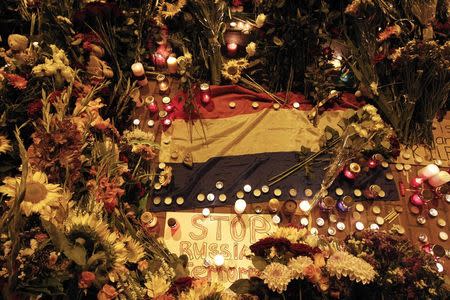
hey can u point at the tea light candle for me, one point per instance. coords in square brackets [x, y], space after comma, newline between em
[239, 206]
[416, 182]
[305, 206]
[232, 49]
[172, 64]
[206, 212]
[428, 171]
[219, 260]
[163, 83]
[439, 179]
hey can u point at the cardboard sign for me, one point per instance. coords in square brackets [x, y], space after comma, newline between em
[202, 238]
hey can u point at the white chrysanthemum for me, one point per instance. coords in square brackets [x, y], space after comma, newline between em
[5, 145]
[277, 277]
[203, 291]
[343, 264]
[298, 265]
[157, 285]
[260, 20]
[251, 49]
[40, 195]
[291, 233]
[135, 251]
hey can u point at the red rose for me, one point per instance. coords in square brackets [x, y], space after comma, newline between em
[262, 245]
[303, 250]
[107, 292]
[180, 285]
[86, 279]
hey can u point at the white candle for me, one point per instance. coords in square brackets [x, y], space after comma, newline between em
[239, 206]
[232, 48]
[205, 212]
[304, 206]
[428, 171]
[172, 64]
[219, 260]
[439, 179]
[139, 73]
[138, 69]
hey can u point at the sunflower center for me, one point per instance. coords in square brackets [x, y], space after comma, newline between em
[232, 70]
[35, 192]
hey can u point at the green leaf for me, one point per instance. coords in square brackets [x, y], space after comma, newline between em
[259, 263]
[242, 286]
[76, 253]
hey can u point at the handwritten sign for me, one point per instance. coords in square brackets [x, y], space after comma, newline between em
[229, 235]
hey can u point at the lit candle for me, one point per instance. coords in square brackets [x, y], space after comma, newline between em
[232, 49]
[428, 171]
[439, 179]
[169, 108]
[416, 200]
[274, 204]
[372, 163]
[219, 260]
[416, 182]
[159, 60]
[239, 206]
[167, 122]
[152, 107]
[172, 64]
[205, 93]
[163, 83]
[139, 73]
[305, 206]
[206, 212]
[352, 170]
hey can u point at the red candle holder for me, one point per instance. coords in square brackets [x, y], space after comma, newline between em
[169, 108]
[205, 93]
[152, 107]
[372, 163]
[416, 182]
[167, 122]
[232, 49]
[416, 200]
[352, 171]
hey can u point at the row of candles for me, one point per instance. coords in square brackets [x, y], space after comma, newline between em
[432, 175]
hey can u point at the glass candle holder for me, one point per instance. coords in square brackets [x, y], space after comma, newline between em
[416, 200]
[352, 171]
[232, 49]
[372, 163]
[416, 182]
[163, 83]
[173, 224]
[345, 204]
[205, 93]
[327, 203]
[274, 205]
[372, 191]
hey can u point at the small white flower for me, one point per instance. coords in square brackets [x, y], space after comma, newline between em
[260, 20]
[251, 49]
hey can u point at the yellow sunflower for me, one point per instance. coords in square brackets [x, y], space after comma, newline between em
[135, 251]
[88, 229]
[40, 195]
[5, 145]
[231, 70]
